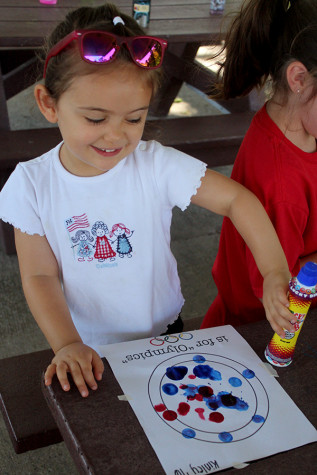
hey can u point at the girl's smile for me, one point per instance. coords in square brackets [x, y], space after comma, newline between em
[101, 117]
[107, 152]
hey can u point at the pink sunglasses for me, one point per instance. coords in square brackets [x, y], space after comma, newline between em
[102, 47]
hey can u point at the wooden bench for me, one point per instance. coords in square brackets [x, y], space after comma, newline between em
[25, 412]
[212, 139]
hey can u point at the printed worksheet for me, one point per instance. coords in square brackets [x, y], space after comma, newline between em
[206, 401]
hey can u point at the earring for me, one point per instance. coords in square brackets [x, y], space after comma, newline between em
[298, 91]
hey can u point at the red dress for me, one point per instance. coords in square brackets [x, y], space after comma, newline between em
[284, 178]
[103, 248]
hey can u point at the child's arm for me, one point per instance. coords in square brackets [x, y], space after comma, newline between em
[228, 198]
[43, 291]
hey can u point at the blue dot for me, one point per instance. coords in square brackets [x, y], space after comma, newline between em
[258, 419]
[225, 437]
[170, 389]
[248, 373]
[199, 359]
[189, 433]
[176, 373]
[206, 372]
[235, 382]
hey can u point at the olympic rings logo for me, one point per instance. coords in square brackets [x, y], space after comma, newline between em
[171, 339]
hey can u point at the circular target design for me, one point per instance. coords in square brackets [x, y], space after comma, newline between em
[208, 397]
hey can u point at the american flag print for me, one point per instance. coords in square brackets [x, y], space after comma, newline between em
[77, 222]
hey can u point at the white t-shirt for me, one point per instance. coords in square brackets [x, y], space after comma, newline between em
[110, 235]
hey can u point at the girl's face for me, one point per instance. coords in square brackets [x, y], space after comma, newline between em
[101, 117]
[100, 232]
[118, 232]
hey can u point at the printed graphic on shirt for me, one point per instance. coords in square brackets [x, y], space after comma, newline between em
[94, 245]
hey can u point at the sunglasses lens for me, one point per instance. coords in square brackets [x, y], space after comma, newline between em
[147, 52]
[98, 47]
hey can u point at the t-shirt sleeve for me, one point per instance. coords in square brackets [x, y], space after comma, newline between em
[289, 223]
[178, 175]
[18, 203]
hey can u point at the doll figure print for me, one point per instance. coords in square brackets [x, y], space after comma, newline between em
[121, 232]
[82, 239]
[103, 249]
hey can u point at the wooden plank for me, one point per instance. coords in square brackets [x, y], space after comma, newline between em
[88, 3]
[194, 133]
[158, 12]
[4, 118]
[32, 34]
[25, 412]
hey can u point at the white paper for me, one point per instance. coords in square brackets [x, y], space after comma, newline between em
[205, 401]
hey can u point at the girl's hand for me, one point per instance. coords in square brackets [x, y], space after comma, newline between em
[275, 301]
[81, 361]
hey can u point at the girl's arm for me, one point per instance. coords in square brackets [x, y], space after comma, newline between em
[43, 291]
[228, 198]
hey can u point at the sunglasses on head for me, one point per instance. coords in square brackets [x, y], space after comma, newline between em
[102, 47]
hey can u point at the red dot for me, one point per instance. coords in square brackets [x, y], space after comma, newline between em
[183, 408]
[200, 411]
[216, 417]
[160, 407]
[169, 415]
[192, 376]
[199, 397]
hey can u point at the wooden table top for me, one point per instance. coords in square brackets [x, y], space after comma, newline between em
[24, 23]
[104, 436]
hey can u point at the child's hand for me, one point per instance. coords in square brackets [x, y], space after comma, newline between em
[81, 361]
[275, 301]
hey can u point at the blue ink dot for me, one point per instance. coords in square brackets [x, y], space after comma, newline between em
[170, 389]
[258, 419]
[225, 437]
[248, 373]
[230, 401]
[205, 371]
[199, 359]
[176, 373]
[235, 382]
[189, 433]
[190, 391]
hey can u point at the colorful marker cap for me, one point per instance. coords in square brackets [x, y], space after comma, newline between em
[308, 274]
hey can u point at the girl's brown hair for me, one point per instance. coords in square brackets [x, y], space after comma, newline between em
[64, 67]
[263, 39]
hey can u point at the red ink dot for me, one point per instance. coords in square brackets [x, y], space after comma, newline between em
[160, 407]
[216, 417]
[169, 415]
[200, 411]
[192, 376]
[183, 408]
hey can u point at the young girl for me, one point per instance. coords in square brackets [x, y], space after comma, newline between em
[277, 159]
[101, 71]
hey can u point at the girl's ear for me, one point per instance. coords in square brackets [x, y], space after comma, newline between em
[46, 103]
[296, 74]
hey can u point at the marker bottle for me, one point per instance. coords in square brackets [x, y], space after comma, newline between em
[217, 7]
[302, 291]
[141, 10]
